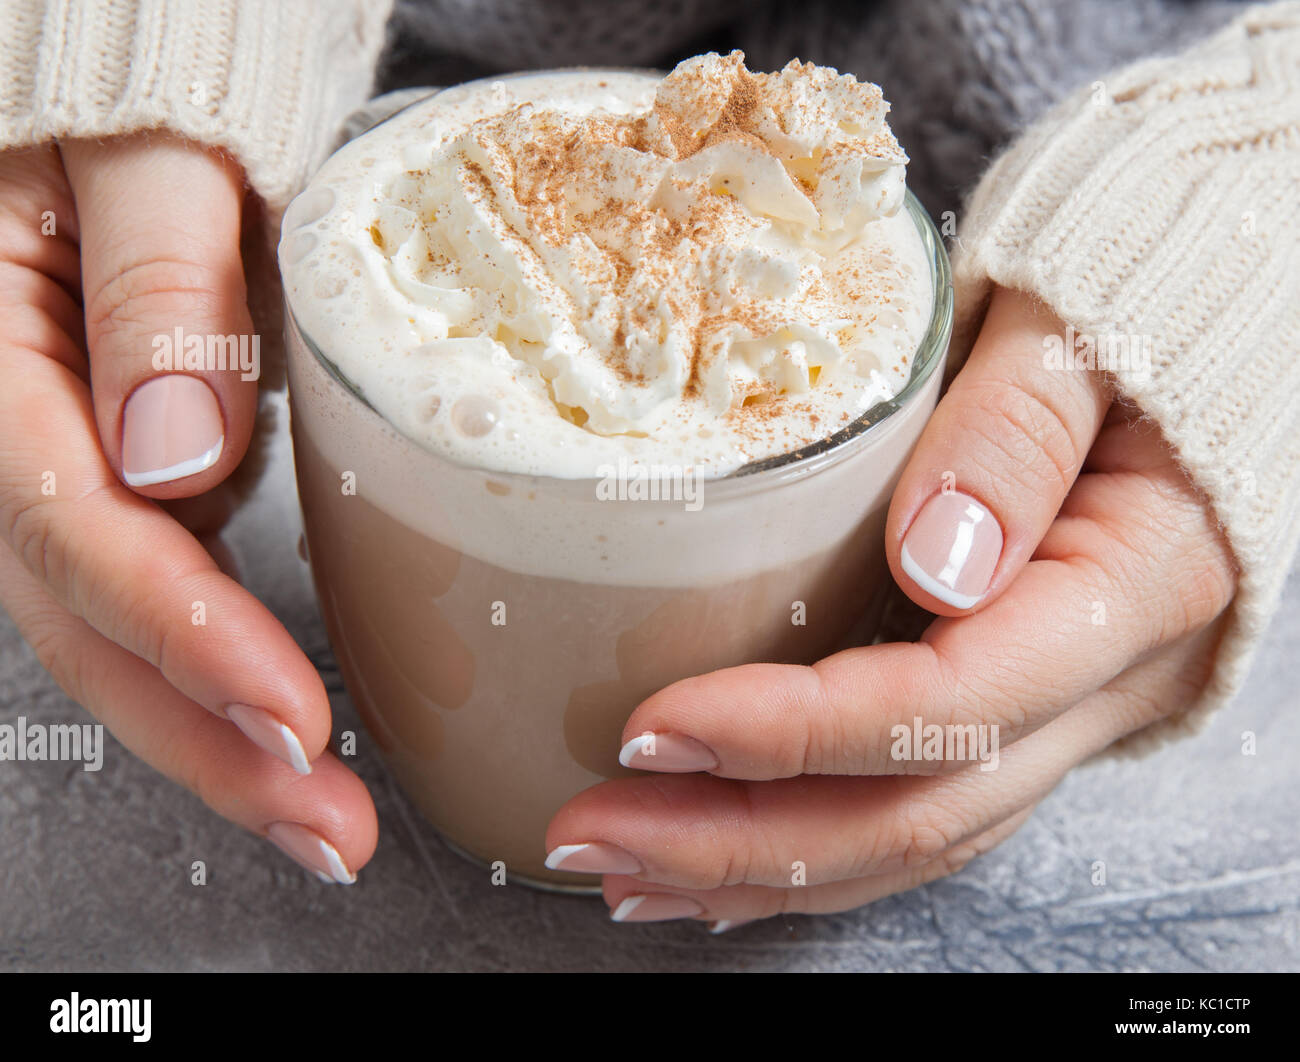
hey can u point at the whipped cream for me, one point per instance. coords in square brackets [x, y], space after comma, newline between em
[554, 273]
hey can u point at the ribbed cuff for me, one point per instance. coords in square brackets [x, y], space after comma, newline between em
[1160, 205]
[268, 82]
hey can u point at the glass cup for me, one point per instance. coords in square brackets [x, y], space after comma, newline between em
[495, 630]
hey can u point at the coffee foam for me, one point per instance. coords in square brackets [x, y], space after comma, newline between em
[560, 273]
[563, 529]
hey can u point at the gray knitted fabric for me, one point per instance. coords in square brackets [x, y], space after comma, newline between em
[433, 42]
[962, 75]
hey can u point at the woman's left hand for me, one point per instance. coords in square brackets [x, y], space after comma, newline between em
[1080, 582]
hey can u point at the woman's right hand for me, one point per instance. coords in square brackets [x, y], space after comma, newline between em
[103, 247]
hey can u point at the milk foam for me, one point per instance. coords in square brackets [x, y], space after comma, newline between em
[561, 272]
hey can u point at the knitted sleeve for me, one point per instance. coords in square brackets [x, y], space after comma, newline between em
[1157, 210]
[269, 81]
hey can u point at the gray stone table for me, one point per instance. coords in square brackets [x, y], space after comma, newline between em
[1200, 844]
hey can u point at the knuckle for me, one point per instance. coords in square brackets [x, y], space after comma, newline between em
[30, 532]
[992, 694]
[656, 798]
[1138, 708]
[19, 291]
[1122, 569]
[960, 855]
[910, 837]
[955, 859]
[1206, 573]
[739, 851]
[742, 839]
[733, 869]
[28, 329]
[1209, 588]
[201, 775]
[952, 861]
[41, 532]
[989, 697]
[135, 625]
[1164, 550]
[150, 290]
[824, 739]
[782, 902]
[922, 842]
[720, 819]
[64, 660]
[1031, 436]
[20, 240]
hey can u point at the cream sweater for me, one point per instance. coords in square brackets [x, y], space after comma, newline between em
[268, 80]
[1164, 202]
[1159, 203]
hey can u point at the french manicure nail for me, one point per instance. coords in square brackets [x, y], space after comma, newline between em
[667, 752]
[171, 428]
[266, 731]
[594, 858]
[309, 849]
[725, 924]
[951, 549]
[655, 907]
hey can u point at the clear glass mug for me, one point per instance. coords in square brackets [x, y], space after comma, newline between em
[496, 630]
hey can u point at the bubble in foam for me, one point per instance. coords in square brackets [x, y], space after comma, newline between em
[328, 286]
[311, 206]
[300, 246]
[426, 407]
[475, 415]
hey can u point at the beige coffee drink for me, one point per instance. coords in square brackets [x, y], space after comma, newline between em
[599, 380]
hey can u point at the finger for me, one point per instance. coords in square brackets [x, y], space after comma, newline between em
[117, 561]
[701, 833]
[1134, 561]
[994, 676]
[326, 821]
[995, 462]
[732, 906]
[167, 321]
[40, 266]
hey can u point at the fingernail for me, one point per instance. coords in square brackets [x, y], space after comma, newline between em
[593, 858]
[667, 752]
[309, 849]
[724, 924]
[655, 907]
[171, 428]
[951, 549]
[266, 731]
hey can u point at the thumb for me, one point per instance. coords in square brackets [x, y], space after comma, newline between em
[173, 359]
[994, 464]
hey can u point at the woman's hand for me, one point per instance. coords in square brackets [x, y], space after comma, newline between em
[1080, 583]
[103, 247]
